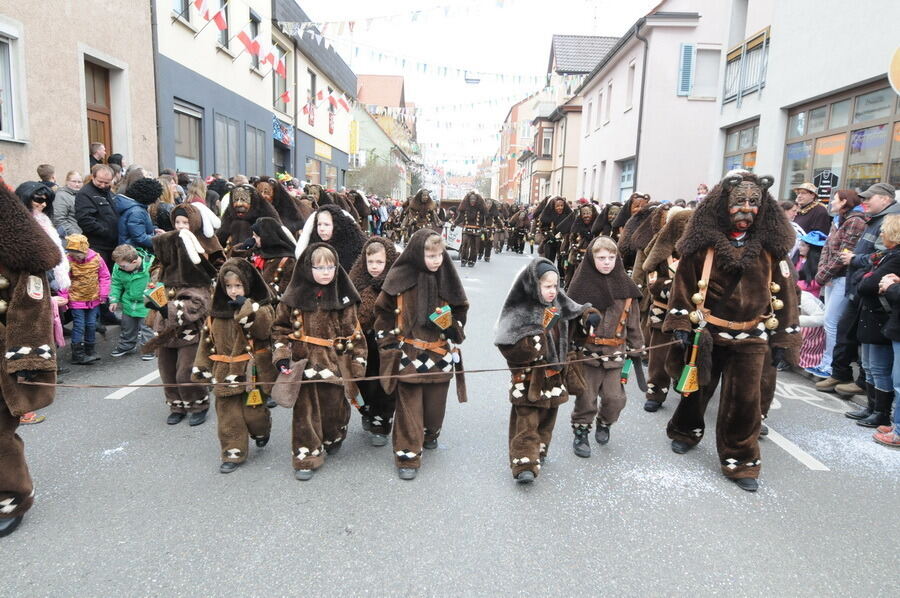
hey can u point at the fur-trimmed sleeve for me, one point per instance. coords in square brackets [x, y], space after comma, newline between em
[28, 333]
[202, 370]
[526, 351]
[460, 313]
[386, 321]
[256, 319]
[683, 287]
[634, 334]
[787, 334]
[281, 329]
[360, 352]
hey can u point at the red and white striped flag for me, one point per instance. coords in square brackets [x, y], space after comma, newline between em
[332, 100]
[281, 68]
[285, 97]
[251, 44]
[320, 95]
[343, 102]
[219, 19]
[202, 7]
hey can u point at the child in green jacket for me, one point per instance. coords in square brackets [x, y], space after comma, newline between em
[130, 277]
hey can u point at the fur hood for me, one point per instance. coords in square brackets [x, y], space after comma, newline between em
[601, 290]
[286, 206]
[664, 243]
[306, 294]
[711, 223]
[549, 215]
[255, 288]
[346, 238]
[23, 245]
[579, 227]
[470, 213]
[238, 228]
[603, 225]
[179, 255]
[638, 230]
[203, 223]
[275, 239]
[359, 274]
[523, 311]
[416, 204]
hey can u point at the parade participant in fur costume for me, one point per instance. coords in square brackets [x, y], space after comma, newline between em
[419, 316]
[501, 228]
[361, 206]
[420, 212]
[518, 226]
[493, 224]
[660, 267]
[610, 328]
[318, 335]
[578, 239]
[551, 217]
[187, 277]
[274, 254]
[330, 224]
[368, 275]
[471, 217]
[244, 207]
[284, 203]
[235, 347]
[202, 222]
[27, 351]
[533, 330]
[603, 226]
[734, 284]
[636, 234]
[632, 206]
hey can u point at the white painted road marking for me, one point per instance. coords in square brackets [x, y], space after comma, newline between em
[123, 392]
[796, 452]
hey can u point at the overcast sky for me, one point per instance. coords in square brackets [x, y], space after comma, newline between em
[487, 36]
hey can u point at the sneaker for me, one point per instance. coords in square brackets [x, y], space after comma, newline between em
[31, 418]
[148, 357]
[828, 384]
[817, 373]
[849, 389]
[117, 352]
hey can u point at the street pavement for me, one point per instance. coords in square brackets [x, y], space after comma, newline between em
[128, 506]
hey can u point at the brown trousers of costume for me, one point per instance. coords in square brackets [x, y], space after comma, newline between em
[378, 405]
[605, 384]
[658, 381]
[321, 414]
[175, 368]
[530, 432]
[740, 415]
[767, 385]
[419, 417]
[485, 246]
[16, 488]
[237, 422]
[468, 249]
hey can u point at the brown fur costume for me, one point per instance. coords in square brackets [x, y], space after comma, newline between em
[738, 291]
[549, 222]
[492, 225]
[603, 226]
[419, 213]
[377, 410]
[285, 204]
[317, 330]
[346, 237]
[211, 246]
[421, 400]
[235, 341]
[275, 254]
[472, 219]
[525, 342]
[235, 227]
[577, 239]
[361, 207]
[27, 348]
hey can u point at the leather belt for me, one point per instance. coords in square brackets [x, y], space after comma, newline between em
[435, 346]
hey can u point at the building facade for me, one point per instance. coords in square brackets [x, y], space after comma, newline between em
[809, 104]
[649, 105]
[72, 80]
[371, 145]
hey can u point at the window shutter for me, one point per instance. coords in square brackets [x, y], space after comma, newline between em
[686, 61]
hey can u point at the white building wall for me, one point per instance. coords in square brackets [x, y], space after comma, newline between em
[340, 139]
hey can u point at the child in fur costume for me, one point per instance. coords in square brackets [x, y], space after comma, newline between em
[368, 275]
[612, 327]
[187, 277]
[274, 256]
[336, 227]
[202, 222]
[471, 217]
[90, 287]
[533, 329]
[317, 333]
[422, 308]
[235, 347]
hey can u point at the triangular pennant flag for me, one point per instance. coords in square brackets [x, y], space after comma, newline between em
[280, 68]
[220, 20]
[285, 97]
[331, 100]
[320, 95]
[251, 45]
[343, 102]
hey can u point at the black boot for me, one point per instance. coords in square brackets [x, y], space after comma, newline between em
[581, 445]
[868, 409]
[881, 414]
[90, 355]
[78, 357]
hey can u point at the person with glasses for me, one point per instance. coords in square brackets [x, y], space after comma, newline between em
[64, 204]
[95, 211]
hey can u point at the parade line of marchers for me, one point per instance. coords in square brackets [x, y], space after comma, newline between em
[328, 312]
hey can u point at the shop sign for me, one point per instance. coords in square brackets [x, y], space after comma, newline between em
[323, 149]
[282, 132]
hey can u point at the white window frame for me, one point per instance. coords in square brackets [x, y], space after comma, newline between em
[192, 112]
[629, 89]
[599, 118]
[17, 117]
[609, 88]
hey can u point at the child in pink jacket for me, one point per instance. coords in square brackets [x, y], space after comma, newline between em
[90, 288]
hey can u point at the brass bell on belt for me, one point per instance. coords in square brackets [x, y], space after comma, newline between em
[395, 331]
[694, 317]
[777, 304]
[4, 282]
[296, 325]
[701, 284]
[296, 312]
[697, 298]
[772, 323]
[774, 287]
[397, 310]
[339, 346]
[3, 306]
[349, 346]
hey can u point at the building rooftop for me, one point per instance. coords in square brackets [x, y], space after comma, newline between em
[578, 54]
[381, 90]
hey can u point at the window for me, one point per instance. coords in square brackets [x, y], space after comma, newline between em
[608, 99]
[546, 142]
[598, 194]
[254, 33]
[626, 180]
[180, 8]
[227, 145]
[745, 67]
[848, 141]
[706, 73]
[188, 122]
[7, 107]
[587, 118]
[685, 69]
[279, 83]
[223, 34]
[584, 187]
[256, 151]
[740, 147]
[330, 105]
[97, 104]
[590, 192]
[599, 109]
[311, 89]
[312, 171]
[330, 176]
[629, 90]
[894, 168]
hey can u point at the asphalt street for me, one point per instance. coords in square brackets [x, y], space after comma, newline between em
[128, 506]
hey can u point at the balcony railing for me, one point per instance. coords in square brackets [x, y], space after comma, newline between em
[745, 69]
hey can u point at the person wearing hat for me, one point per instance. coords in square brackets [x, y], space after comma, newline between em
[90, 288]
[811, 215]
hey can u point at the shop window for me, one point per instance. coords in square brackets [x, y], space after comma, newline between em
[816, 120]
[874, 105]
[313, 171]
[865, 164]
[740, 148]
[256, 151]
[188, 127]
[894, 169]
[330, 176]
[796, 166]
[840, 114]
[227, 143]
[797, 125]
[828, 162]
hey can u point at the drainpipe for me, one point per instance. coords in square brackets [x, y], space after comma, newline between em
[154, 35]
[637, 145]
